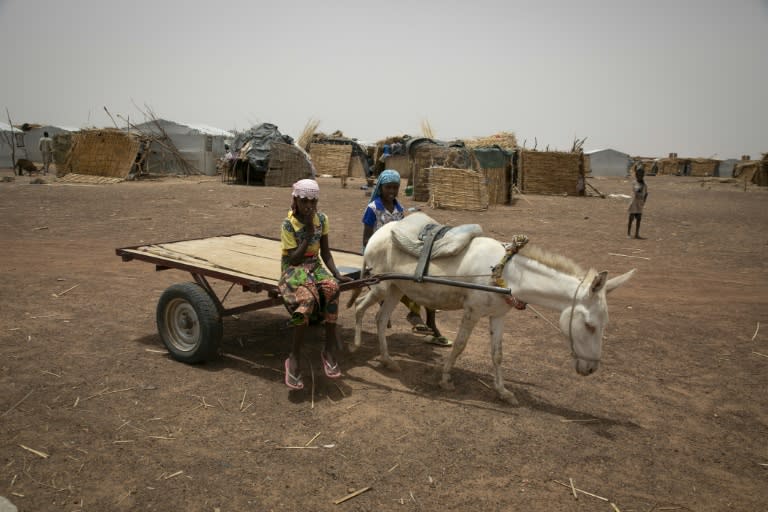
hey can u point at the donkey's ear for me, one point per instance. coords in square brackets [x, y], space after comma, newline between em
[617, 281]
[599, 281]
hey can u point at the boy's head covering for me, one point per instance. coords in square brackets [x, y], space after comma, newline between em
[386, 176]
[306, 188]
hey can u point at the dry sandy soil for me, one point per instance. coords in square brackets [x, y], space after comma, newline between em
[675, 419]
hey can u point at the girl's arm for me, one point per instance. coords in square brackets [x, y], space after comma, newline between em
[325, 253]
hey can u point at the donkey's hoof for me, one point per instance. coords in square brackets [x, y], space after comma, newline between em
[390, 364]
[508, 397]
[447, 385]
[352, 348]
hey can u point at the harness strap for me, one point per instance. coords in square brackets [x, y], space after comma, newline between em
[429, 234]
[510, 249]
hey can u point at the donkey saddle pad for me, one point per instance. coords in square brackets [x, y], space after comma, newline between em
[410, 234]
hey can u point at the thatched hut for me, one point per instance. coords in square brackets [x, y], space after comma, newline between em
[704, 167]
[426, 153]
[339, 156]
[550, 172]
[492, 157]
[390, 153]
[753, 171]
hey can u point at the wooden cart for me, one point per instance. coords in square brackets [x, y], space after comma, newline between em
[189, 315]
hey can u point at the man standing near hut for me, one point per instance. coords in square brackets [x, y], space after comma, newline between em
[45, 145]
[639, 195]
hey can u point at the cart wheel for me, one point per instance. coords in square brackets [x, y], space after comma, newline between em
[189, 323]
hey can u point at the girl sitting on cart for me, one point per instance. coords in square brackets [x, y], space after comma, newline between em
[310, 292]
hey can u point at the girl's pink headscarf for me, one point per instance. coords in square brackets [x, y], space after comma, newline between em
[306, 188]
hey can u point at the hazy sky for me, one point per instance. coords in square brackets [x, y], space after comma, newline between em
[647, 78]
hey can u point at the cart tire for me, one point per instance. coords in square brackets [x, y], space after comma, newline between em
[189, 323]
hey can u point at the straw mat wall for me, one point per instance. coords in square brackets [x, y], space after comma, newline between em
[107, 152]
[497, 180]
[704, 167]
[287, 165]
[671, 166]
[433, 155]
[457, 189]
[331, 159]
[550, 172]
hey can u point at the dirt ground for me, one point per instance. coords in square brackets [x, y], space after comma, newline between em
[94, 414]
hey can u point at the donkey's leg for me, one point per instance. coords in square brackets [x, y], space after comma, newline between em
[497, 334]
[382, 318]
[468, 322]
[361, 305]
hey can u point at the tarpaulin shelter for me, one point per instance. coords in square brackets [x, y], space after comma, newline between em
[264, 156]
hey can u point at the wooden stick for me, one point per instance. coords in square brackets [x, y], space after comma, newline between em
[573, 489]
[67, 290]
[758, 353]
[243, 400]
[351, 495]
[17, 403]
[310, 441]
[615, 507]
[173, 475]
[38, 453]
[484, 384]
[627, 256]
[581, 491]
[579, 421]
[297, 447]
[757, 329]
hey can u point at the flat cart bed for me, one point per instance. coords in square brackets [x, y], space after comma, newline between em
[189, 314]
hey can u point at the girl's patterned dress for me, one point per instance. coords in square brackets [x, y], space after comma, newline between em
[309, 291]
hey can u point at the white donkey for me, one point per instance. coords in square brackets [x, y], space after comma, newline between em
[531, 274]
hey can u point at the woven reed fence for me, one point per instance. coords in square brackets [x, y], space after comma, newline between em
[287, 165]
[497, 182]
[550, 172]
[704, 167]
[426, 156]
[62, 143]
[671, 166]
[457, 189]
[331, 159]
[107, 152]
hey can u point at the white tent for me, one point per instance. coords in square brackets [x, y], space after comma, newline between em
[606, 162]
[8, 136]
[200, 146]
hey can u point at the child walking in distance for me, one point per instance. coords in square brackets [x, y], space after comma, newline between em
[309, 290]
[383, 208]
[639, 195]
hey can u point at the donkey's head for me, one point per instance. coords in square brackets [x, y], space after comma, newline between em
[585, 319]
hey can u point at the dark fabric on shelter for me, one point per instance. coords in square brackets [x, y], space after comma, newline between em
[492, 157]
[258, 142]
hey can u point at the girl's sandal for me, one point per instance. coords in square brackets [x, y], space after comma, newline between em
[291, 380]
[332, 371]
